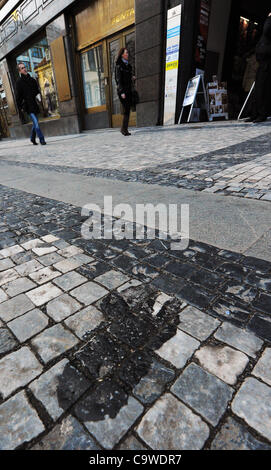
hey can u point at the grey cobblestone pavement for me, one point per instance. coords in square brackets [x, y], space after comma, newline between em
[128, 344]
[229, 158]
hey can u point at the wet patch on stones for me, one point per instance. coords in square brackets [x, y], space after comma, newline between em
[119, 354]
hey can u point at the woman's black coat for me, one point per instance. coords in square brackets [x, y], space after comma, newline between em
[123, 77]
[26, 91]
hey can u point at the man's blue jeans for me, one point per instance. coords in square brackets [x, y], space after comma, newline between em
[36, 128]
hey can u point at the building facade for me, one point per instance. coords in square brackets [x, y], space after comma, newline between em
[70, 47]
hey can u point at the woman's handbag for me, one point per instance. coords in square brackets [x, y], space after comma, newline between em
[135, 99]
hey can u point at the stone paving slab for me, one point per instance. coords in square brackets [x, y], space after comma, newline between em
[197, 324]
[173, 424]
[70, 281]
[18, 369]
[8, 276]
[152, 385]
[5, 264]
[3, 296]
[7, 341]
[262, 369]
[19, 286]
[43, 294]
[28, 325]
[222, 361]
[203, 392]
[88, 293]
[252, 393]
[62, 307]
[179, 349]
[84, 321]
[19, 422]
[132, 443]
[28, 267]
[15, 307]
[116, 420]
[44, 275]
[47, 388]
[234, 436]
[53, 342]
[241, 340]
[69, 435]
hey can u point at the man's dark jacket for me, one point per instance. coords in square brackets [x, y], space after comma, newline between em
[26, 91]
[262, 106]
[263, 49]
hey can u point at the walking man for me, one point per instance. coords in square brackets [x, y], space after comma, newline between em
[26, 93]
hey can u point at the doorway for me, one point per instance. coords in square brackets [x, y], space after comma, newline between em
[125, 39]
[100, 102]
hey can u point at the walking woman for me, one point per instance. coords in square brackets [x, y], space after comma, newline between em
[124, 80]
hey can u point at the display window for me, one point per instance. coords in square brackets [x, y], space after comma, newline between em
[92, 67]
[37, 60]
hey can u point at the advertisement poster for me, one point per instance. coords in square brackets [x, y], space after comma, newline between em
[191, 91]
[218, 100]
[172, 63]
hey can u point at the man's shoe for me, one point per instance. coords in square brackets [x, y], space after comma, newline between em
[43, 143]
[33, 141]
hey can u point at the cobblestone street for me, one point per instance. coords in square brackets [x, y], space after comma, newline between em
[129, 344]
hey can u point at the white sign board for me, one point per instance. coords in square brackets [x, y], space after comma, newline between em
[172, 63]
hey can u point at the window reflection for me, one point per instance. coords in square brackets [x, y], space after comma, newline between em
[38, 63]
[93, 77]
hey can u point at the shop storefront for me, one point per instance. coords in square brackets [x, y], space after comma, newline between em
[100, 30]
[70, 48]
[35, 34]
[229, 38]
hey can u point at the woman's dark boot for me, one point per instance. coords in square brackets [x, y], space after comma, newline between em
[124, 129]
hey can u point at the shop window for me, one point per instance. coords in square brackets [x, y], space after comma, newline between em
[4, 116]
[93, 77]
[37, 52]
[38, 63]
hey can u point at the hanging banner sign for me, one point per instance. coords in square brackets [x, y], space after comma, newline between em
[172, 63]
[202, 38]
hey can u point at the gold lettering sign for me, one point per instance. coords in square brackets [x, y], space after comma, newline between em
[124, 16]
[103, 18]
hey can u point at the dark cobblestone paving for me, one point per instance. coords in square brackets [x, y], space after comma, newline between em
[137, 327]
